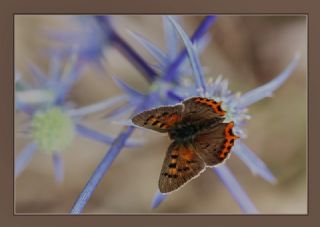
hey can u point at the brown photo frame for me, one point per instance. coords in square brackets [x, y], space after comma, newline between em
[7, 215]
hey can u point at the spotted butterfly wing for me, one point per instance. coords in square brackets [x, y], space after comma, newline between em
[180, 165]
[214, 144]
[159, 119]
[199, 109]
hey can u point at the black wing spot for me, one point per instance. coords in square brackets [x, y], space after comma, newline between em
[172, 165]
[155, 122]
[149, 118]
[174, 156]
[186, 168]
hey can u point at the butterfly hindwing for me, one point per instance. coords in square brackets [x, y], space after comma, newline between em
[214, 144]
[159, 119]
[181, 165]
[199, 108]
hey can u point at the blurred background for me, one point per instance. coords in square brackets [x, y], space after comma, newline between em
[247, 50]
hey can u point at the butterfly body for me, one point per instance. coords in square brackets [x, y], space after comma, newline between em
[200, 138]
[185, 130]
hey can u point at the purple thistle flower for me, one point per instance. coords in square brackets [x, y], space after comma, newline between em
[171, 88]
[53, 122]
[142, 102]
[236, 108]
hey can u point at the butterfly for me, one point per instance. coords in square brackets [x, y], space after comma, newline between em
[200, 138]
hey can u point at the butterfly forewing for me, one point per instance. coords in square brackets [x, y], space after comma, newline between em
[198, 108]
[214, 144]
[181, 164]
[159, 119]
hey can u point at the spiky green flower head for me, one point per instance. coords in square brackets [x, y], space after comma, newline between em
[53, 130]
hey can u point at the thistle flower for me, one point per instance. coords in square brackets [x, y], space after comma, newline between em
[236, 107]
[53, 121]
[142, 102]
[169, 88]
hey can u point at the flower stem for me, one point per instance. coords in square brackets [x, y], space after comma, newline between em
[125, 48]
[134, 57]
[100, 171]
[106, 162]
